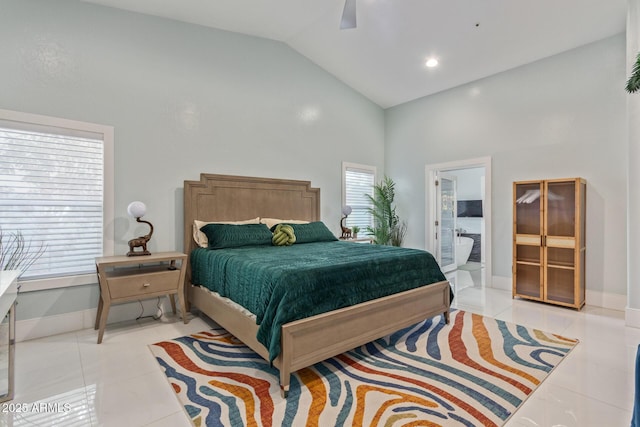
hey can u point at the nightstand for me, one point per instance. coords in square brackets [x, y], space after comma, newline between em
[358, 239]
[124, 278]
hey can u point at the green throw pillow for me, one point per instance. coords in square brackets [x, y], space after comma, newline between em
[311, 232]
[223, 236]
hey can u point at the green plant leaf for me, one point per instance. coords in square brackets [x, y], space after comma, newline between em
[633, 84]
[387, 229]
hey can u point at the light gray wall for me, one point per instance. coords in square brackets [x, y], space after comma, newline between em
[469, 186]
[468, 183]
[563, 116]
[183, 99]
[633, 179]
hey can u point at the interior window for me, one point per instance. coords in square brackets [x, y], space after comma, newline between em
[52, 194]
[358, 181]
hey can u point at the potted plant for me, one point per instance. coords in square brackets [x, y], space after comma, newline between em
[354, 231]
[387, 229]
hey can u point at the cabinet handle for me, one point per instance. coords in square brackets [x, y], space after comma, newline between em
[146, 285]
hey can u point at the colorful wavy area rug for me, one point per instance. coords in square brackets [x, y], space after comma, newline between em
[476, 371]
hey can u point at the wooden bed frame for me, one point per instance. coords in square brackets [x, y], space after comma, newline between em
[311, 340]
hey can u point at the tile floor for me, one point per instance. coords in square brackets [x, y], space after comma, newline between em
[74, 382]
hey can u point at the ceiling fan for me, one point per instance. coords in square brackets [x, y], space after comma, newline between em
[348, 15]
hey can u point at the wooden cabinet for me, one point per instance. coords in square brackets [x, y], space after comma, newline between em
[124, 278]
[549, 241]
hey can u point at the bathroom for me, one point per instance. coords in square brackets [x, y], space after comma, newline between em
[470, 219]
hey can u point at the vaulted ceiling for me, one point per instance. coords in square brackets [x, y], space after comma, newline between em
[384, 57]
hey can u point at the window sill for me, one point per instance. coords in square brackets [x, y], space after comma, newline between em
[57, 282]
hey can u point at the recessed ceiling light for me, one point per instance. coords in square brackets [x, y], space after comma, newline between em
[432, 62]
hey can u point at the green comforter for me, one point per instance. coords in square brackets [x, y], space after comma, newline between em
[280, 284]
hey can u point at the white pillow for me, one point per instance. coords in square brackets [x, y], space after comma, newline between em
[201, 239]
[273, 221]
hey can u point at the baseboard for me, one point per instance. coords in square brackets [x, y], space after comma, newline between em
[606, 300]
[502, 282]
[632, 317]
[30, 329]
[594, 298]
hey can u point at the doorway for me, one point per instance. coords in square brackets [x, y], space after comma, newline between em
[445, 223]
[458, 214]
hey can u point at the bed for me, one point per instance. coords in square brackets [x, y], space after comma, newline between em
[308, 340]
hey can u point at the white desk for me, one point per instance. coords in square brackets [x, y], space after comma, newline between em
[8, 295]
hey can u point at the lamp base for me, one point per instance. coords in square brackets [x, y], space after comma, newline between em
[346, 232]
[140, 242]
[133, 253]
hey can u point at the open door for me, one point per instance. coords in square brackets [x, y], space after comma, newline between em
[445, 225]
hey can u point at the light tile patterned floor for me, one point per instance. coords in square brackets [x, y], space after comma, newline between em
[118, 383]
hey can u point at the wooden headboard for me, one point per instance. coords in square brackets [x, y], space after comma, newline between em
[236, 198]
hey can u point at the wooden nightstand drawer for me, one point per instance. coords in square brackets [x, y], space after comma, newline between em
[129, 278]
[141, 285]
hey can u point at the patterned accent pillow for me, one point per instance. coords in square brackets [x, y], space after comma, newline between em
[283, 235]
[312, 232]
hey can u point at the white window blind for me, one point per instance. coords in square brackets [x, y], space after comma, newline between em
[51, 190]
[358, 182]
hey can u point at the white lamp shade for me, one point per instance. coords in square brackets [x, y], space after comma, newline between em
[346, 210]
[137, 209]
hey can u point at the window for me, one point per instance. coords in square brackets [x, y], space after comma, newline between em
[56, 189]
[357, 182]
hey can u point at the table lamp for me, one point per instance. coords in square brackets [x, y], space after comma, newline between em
[346, 232]
[138, 210]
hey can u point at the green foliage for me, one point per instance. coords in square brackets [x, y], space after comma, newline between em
[397, 233]
[633, 84]
[387, 230]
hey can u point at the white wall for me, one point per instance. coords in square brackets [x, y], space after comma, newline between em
[563, 116]
[469, 183]
[633, 160]
[183, 99]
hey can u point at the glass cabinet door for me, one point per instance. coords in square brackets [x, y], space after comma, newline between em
[528, 206]
[528, 226]
[561, 208]
[528, 271]
[560, 242]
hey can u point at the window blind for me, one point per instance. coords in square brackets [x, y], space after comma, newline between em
[51, 191]
[359, 183]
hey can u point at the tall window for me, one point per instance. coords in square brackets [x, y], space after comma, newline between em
[52, 190]
[357, 182]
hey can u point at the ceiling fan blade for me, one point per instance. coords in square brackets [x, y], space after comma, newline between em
[348, 15]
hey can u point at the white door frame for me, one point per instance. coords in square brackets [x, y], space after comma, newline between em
[430, 208]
